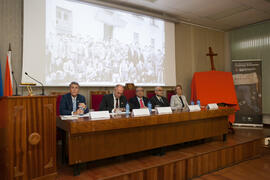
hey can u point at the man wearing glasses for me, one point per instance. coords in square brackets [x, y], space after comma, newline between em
[159, 100]
[138, 101]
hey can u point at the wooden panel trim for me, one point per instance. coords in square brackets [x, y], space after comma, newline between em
[190, 167]
[26, 118]
[47, 177]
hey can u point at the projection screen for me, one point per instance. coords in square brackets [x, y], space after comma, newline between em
[69, 40]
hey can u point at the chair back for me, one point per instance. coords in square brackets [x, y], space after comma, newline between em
[169, 94]
[58, 100]
[96, 98]
[129, 91]
[150, 94]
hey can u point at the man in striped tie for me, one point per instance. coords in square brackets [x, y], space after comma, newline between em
[138, 101]
[159, 100]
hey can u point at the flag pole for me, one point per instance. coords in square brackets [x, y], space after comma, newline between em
[8, 76]
[12, 72]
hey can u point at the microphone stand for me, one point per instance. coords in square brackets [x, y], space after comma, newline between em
[38, 82]
[16, 84]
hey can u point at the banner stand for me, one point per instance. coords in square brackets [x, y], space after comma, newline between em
[247, 77]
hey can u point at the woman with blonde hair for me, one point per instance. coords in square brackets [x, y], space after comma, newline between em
[179, 100]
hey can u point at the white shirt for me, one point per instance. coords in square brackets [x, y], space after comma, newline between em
[114, 102]
[73, 98]
[160, 99]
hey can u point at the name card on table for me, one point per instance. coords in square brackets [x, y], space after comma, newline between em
[194, 108]
[140, 112]
[164, 110]
[212, 106]
[99, 115]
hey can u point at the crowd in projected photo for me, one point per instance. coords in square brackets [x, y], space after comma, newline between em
[77, 58]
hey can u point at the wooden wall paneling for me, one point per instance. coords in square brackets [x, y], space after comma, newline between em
[223, 158]
[248, 152]
[125, 177]
[230, 156]
[226, 157]
[258, 146]
[136, 176]
[34, 117]
[10, 137]
[18, 133]
[203, 159]
[151, 174]
[78, 148]
[49, 134]
[4, 154]
[191, 167]
[168, 171]
[30, 126]
[205, 163]
[238, 153]
[213, 161]
[180, 168]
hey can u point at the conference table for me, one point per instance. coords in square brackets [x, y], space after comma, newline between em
[89, 139]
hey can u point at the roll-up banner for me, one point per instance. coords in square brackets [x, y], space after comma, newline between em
[247, 76]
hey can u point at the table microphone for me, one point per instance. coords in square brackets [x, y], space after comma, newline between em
[15, 84]
[36, 81]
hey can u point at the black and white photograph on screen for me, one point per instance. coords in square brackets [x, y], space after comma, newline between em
[102, 46]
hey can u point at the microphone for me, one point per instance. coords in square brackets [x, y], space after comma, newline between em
[16, 84]
[36, 81]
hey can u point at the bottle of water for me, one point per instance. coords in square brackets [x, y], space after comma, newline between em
[127, 108]
[81, 108]
[149, 105]
[192, 102]
[198, 102]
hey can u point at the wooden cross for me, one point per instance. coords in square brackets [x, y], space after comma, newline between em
[211, 54]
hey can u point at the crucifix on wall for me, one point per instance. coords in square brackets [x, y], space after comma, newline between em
[212, 54]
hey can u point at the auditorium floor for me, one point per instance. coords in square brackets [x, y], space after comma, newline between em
[257, 168]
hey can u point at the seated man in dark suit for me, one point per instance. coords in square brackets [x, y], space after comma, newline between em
[159, 100]
[138, 101]
[114, 102]
[73, 103]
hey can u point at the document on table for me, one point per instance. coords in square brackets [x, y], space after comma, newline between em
[73, 117]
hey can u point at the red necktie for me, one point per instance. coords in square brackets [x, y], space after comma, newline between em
[141, 103]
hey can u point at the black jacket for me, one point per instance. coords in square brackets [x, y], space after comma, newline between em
[107, 103]
[154, 101]
[66, 105]
[135, 104]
